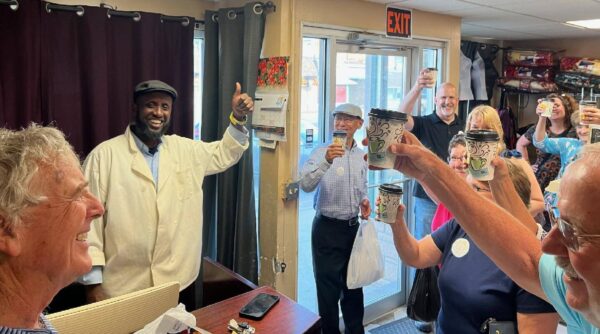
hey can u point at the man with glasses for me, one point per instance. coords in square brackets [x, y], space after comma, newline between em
[570, 279]
[339, 174]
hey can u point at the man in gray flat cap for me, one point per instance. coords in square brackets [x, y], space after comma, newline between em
[151, 185]
[339, 174]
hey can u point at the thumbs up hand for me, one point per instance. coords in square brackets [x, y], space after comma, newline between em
[241, 103]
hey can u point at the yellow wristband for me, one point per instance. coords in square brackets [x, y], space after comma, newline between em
[236, 122]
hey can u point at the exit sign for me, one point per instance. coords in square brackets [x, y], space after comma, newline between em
[398, 22]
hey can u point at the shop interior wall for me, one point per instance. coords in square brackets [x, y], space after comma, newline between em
[283, 37]
[571, 47]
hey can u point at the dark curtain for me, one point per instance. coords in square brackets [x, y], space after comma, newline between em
[233, 40]
[79, 72]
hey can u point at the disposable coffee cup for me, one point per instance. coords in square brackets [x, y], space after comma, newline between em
[339, 137]
[582, 114]
[546, 105]
[432, 74]
[385, 128]
[389, 200]
[481, 147]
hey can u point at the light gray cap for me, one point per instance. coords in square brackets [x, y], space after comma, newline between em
[348, 109]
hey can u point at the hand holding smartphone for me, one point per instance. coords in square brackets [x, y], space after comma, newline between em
[258, 306]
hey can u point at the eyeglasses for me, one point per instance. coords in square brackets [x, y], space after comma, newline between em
[570, 236]
[459, 159]
[344, 119]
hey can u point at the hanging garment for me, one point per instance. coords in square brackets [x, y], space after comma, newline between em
[465, 92]
[478, 78]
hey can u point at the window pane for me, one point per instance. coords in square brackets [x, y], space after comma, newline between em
[198, 71]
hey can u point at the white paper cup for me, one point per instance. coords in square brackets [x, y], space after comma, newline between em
[390, 196]
[547, 105]
[385, 128]
[481, 147]
[432, 74]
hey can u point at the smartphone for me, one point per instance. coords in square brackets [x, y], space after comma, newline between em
[258, 306]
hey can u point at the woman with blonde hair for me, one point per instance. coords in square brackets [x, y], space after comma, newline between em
[484, 117]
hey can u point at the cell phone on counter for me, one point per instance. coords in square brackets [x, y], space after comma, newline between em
[259, 306]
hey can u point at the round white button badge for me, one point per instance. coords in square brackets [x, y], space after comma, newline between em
[460, 247]
[339, 171]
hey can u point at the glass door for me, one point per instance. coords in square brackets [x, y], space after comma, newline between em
[378, 77]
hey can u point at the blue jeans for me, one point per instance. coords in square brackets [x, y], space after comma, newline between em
[424, 211]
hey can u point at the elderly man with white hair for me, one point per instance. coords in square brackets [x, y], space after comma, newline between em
[46, 210]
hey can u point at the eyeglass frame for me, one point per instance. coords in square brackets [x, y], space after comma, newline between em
[571, 241]
[464, 158]
[342, 118]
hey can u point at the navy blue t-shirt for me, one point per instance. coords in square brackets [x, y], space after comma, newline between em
[435, 134]
[473, 288]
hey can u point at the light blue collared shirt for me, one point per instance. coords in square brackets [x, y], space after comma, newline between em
[341, 185]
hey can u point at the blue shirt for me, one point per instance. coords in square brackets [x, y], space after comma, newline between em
[567, 148]
[341, 185]
[473, 288]
[551, 278]
[48, 329]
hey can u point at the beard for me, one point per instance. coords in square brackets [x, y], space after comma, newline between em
[143, 131]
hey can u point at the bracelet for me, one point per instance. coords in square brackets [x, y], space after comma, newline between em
[237, 122]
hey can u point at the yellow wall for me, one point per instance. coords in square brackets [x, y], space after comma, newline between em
[283, 37]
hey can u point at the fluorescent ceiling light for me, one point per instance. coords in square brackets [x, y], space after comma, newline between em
[590, 24]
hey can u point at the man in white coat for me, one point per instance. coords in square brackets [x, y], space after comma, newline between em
[151, 186]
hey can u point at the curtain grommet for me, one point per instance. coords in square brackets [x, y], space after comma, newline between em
[231, 15]
[258, 9]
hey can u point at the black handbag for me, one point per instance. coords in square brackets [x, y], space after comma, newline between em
[493, 326]
[424, 298]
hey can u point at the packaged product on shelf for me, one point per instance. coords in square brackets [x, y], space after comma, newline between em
[528, 86]
[580, 65]
[575, 80]
[526, 72]
[529, 58]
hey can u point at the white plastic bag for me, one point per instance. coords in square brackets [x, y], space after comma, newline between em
[366, 262]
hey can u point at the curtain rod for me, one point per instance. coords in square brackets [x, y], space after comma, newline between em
[258, 9]
[13, 4]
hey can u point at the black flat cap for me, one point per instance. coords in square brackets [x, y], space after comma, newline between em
[150, 86]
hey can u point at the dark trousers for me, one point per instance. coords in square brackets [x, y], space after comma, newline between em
[332, 242]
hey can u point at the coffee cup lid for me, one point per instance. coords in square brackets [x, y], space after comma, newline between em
[482, 135]
[390, 188]
[587, 103]
[388, 114]
[340, 133]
